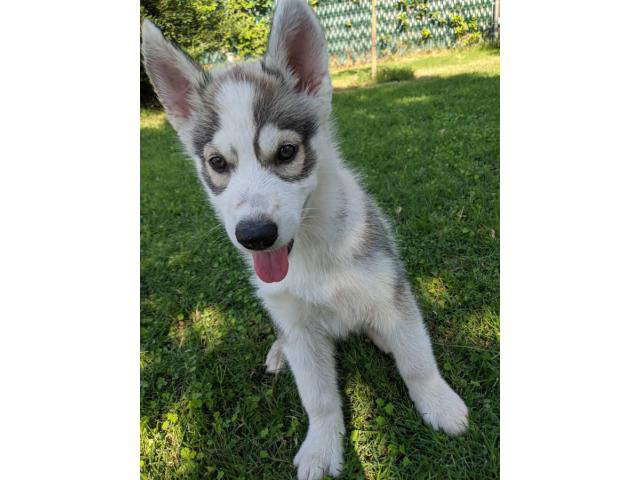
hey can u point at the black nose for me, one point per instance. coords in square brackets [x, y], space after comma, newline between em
[257, 234]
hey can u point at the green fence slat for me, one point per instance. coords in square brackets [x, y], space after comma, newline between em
[347, 25]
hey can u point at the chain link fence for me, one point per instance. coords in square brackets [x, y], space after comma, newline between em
[401, 25]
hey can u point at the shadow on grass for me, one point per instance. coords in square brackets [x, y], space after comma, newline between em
[428, 151]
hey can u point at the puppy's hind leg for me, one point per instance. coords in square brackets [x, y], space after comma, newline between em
[409, 342]
[378, 340]
[275, 358]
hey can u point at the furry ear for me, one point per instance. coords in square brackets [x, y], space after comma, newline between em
[297, 46]
[173, 73]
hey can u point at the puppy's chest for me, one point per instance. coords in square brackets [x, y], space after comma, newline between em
[335, 298]
[319, 288]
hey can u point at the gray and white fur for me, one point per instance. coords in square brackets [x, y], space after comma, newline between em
[239, 124]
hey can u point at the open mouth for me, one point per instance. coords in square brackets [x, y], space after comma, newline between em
[272, 266]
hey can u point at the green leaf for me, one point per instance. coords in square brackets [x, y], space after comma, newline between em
[172, 417]
[187, 453]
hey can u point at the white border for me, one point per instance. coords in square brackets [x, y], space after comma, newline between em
[69, 193]
[569, 237]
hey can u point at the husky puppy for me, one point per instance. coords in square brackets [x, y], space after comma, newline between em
[322, 254]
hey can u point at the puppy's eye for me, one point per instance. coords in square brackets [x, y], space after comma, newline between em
[287, 152]
[218, 164]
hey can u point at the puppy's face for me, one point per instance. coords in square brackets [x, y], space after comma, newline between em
[252, 130]
[258, 163]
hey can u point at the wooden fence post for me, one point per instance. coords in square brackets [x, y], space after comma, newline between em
[496, 19]
[374, 50]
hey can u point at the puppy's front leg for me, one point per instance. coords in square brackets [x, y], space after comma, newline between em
[311, 358]
[410, 345]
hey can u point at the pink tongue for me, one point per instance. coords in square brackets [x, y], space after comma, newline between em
[271, 266]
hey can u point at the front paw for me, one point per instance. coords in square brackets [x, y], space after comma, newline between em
[319, 455]
[441, 407]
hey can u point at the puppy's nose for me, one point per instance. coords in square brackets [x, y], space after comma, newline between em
[257, 234]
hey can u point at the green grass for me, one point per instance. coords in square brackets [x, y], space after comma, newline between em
[481, 59]
[428, 150]
[394, 74]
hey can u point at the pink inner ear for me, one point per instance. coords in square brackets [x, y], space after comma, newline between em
[301, 59]
[173, 88]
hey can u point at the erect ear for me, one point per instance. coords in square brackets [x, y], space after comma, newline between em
[173, 73]
[297, 46]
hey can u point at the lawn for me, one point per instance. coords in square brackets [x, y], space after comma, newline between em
[428, 150]
[441, 63]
